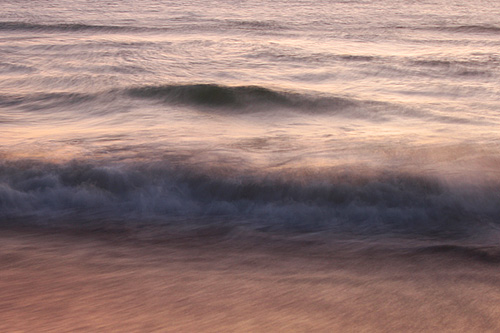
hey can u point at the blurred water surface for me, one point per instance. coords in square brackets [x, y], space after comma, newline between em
[366, 116]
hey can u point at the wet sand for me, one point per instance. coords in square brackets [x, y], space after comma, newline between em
[86, 283]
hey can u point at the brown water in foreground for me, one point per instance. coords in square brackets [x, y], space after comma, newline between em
[62, 283]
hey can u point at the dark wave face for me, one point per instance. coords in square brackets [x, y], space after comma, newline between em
[75, 194]
[226, 100]
[239, 97]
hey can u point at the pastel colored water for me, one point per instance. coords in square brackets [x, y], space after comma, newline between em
[367, 117]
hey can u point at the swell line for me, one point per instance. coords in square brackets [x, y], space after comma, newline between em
[64, 27]
[238, 97]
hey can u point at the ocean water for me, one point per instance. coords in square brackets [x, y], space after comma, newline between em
[331, 118]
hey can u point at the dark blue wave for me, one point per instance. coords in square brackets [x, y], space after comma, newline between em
[392, 203]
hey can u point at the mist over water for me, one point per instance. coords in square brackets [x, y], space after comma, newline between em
[358, 117]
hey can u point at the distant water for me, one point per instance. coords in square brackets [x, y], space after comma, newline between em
[377, 117]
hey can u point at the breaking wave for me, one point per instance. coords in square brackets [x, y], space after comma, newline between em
[385, 203]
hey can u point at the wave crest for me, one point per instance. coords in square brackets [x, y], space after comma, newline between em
[384, 203]
[238, 97]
